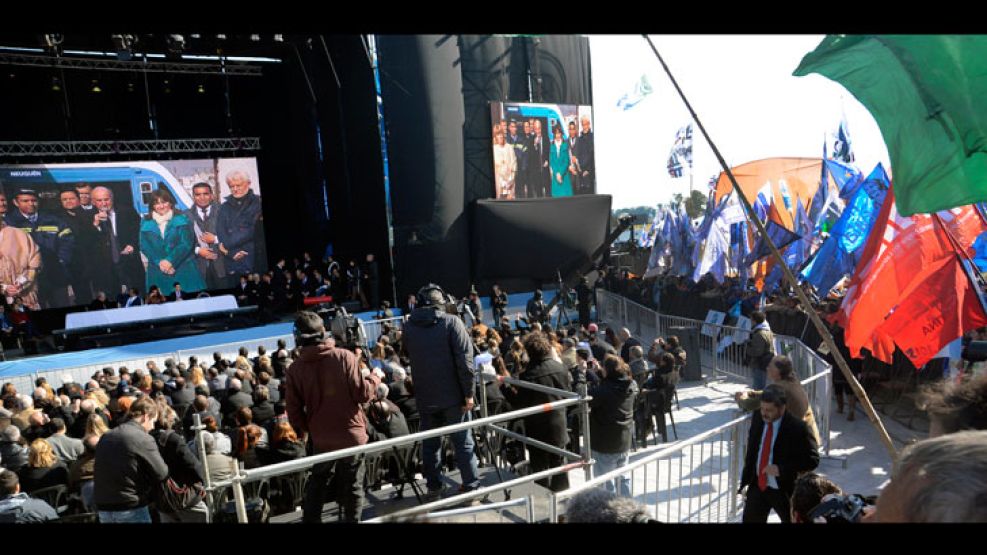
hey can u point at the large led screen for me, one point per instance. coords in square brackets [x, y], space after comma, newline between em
[542, 150]
[71, 231]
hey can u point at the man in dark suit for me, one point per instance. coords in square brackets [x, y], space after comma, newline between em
[177, 294]
[538, 178]
[584, 154]
[235, 399]
[117, 257]
[204, 216]
[779, 448]
[80, 222]
[239, 216]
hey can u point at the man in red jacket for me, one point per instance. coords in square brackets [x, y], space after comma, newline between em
[325, 389]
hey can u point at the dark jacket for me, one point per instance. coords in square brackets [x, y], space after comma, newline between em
[612, 414]
[324, 392]
[128, 468]
[441, 357]
[263, 413]
[235, 227]
[183, 466]
[549, 427]
[625, 349]
[601, 349]
[760, 349]
[37, 478]
[795, 451]
[21, 508]
[536, 311]
[235, 402]
[128, 268]
[12, 455]
[215, 268]
[55, 241]
[284, 451]
[181, 399]
[402, 397]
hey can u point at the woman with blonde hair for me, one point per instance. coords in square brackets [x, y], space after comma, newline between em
[43, 468]
[96, 426]
[197, 377]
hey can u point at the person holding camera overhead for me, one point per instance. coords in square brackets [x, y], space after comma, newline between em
[324, 394]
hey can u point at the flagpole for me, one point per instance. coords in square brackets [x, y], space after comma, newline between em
[803, 299]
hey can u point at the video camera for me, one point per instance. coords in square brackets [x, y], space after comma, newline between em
[840, 509]
[342, 324]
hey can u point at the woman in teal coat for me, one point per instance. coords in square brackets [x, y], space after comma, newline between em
[168, 242]
[558, 162]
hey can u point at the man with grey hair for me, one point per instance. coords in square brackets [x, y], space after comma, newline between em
[25, 408]
[597, 505]
[220, 466]
[236, 225]
[117, 255]
[13, 455]
[943, 479]
[629, 341]
[235, 400]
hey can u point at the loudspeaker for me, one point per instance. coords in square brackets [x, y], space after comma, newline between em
[689, 340]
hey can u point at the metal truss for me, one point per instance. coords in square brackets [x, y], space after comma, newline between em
[111, 64]
[91, 148]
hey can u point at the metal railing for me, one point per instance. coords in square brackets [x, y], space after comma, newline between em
[486, 424]
[720, 357]
[372, 329]
[695, 480]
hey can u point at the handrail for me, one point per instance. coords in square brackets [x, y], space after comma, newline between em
[660, 454]
[304, 463]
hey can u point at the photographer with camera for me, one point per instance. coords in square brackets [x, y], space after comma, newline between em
[816, 499]
[441, 354]
[536, 310]
[324, 395]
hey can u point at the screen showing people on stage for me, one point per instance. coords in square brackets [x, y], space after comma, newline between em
[542, 150]
[69, 232]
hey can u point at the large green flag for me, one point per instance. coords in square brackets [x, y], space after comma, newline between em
[928, 94]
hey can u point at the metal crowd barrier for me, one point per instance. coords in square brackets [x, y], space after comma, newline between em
[372, 329]
[719, 358]
[693, 481]
[487, 424]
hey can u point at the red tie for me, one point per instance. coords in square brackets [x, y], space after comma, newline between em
[762, 478]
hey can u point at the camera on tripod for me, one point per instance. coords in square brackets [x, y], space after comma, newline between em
[343, 325]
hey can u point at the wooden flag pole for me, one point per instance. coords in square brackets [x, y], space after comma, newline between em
[803, 299]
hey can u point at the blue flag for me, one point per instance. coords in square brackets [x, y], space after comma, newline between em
[839, 254]
[822, 192]
[780, 236]
[847, 177]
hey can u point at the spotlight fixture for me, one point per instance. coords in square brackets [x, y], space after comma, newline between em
[195, 36]
[255, 38]
[176, 45]
[167, 86]
[56, 85]
[124, 45]
[278, 38]
[52, 44]
[95, 86]
[200, 89]
[221, 37]
[130, 87]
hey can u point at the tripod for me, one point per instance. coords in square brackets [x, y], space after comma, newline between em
[564, 298]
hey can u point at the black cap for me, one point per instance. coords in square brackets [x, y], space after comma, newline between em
[26, 191]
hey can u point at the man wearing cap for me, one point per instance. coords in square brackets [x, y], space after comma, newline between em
[18, 280]
[54, 239]
[324, 393]
[441, 356]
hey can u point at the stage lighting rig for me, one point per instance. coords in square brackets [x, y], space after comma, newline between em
[52, 43]
[176, 45]
[124, 45]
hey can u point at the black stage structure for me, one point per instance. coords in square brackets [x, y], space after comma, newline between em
[315, 113]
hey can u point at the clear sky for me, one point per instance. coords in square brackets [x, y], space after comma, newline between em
[742, 89]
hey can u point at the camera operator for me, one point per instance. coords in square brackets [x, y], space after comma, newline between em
[816, 499]
[441, 354]
[536, 310]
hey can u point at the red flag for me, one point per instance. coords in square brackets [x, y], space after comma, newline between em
[943, 307]
[904, 257]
